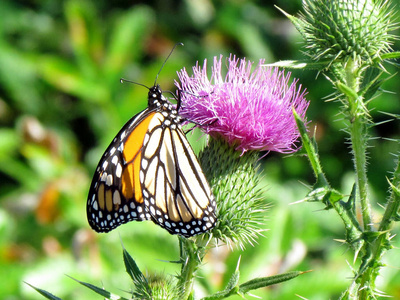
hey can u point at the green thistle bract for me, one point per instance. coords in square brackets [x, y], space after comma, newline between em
[162, 287]
[340, 29]
[235, 181]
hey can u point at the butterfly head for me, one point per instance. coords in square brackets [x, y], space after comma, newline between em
[155, 97]
[157, 101]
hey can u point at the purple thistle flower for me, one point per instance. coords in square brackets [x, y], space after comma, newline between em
[251, 110]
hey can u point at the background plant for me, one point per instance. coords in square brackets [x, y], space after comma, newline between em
[60, 65]
[349, 42]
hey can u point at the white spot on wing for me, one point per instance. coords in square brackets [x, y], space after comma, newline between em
[152, 145]
[146, 139]
[145, 163]
[118, 171]
[103, 176]
[123, 134]
[109, 180]
[149, 180]
[117, 197]
[141, 176]
[167, 157]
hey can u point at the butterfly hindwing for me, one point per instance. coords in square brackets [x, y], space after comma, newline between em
[150, 172]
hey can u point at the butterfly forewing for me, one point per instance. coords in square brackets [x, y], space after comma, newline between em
[178, 195]
[150, 172]
[115, 195]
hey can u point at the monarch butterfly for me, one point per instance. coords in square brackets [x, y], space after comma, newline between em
[150, 172]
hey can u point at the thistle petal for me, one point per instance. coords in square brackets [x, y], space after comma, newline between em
[250, 109]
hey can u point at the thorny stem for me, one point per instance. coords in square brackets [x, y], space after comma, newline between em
[382, 242]
[329, 196]
[358, 136]
[357, 132]
[193, 256]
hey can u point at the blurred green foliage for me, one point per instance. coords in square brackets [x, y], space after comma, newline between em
[61, 103]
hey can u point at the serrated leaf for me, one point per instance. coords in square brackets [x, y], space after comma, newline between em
[134, 272]
[99, 291]
[311, 150]
[232, 287]
[267, 281]
[44, 293]
[298, 23]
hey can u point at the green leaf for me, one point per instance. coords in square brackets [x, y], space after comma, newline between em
[44, 293]
[127, 38]
[370, 83]
[390, 55]
[20, 172]
[347, 91]
[350, 204]
[84, 35]
[99, 291]
[9, 142]
[134, 272]
[326, 195]
[300, 64]
[68, 78]
[19, 69]
[311, 150]
[267, 281]
[298, 23]
[231, 288]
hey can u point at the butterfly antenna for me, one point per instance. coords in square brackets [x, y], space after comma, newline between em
[173, 48]
[122, 80]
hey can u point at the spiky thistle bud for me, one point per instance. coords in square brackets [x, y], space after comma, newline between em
[336, 30]
[235, 180]
[162, 287]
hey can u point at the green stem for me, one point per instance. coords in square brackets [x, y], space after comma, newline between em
[372, 263]
[191, 256]
[325, 193]
[358, 116]
[359, 145]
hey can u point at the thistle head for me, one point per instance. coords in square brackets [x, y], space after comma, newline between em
[250, 109]
[339, 29]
